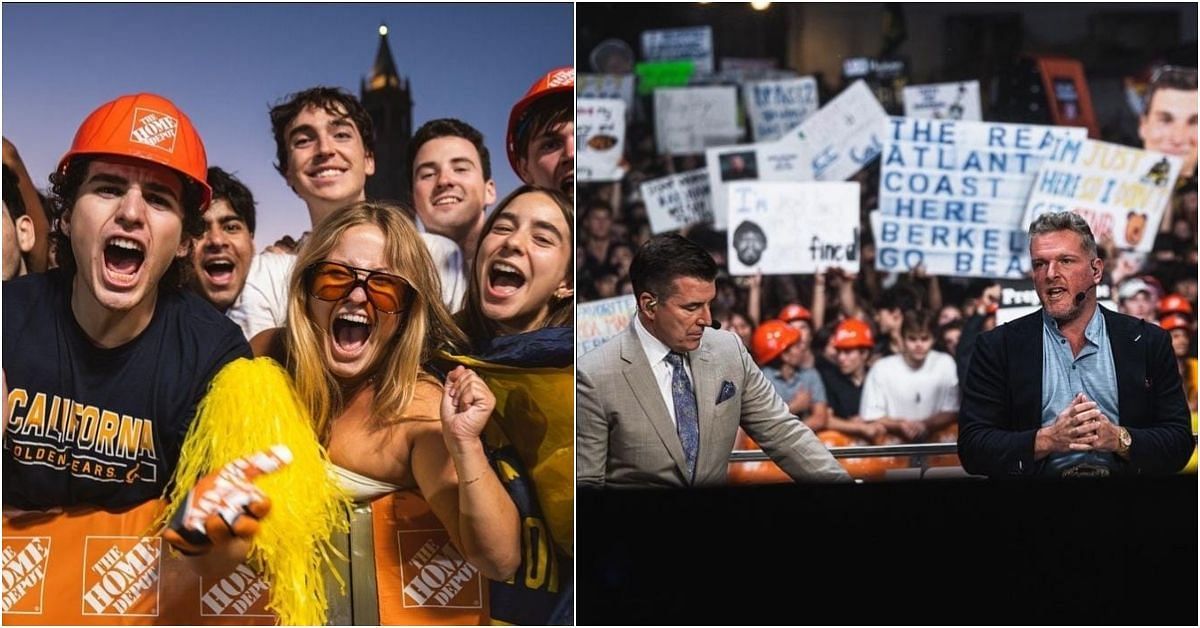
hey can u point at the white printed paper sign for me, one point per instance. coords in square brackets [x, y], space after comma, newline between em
[843, 136]
[944, 101]
[607, 87]
[773, 161]
[600, 133]
[776, 107]
[952, 195]
[689, 119]
[676, 201]
[693, 44]
[1122, 192]
[791, 228]
[597, 321]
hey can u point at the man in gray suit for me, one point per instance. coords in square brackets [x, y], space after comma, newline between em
[640, 420]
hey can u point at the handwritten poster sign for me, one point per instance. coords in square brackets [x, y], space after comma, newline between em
[843, 136]
[790, 228]
[676, 201]
[689, 119]
[771, 161]
[776, 107]
[600, 129]
[597, 321]
[607, 87]
[944, 101]
[1121, 191]
[952, 195]
[693, 44]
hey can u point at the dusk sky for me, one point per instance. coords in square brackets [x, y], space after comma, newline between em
[224, 65]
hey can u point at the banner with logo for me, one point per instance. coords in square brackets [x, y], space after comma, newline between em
[597, 321]
[792, 228]
[952, 194]
[776, 107]
[94, 567]
[607, 87]
[678, 200]
[600, 127]
[842, 137]
[689, 119]
[770, 161]
[1122, 192]
[693, 44]
[944, 101]
[421, 578]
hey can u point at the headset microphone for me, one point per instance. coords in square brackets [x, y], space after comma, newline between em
[1080, 297]
[716, 324]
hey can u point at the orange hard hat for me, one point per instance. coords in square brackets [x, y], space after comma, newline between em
[1174, 303]
[148, 127]
[795, 312]
[553, 82]
[1173, 321]
[853, 334]
[771, 339]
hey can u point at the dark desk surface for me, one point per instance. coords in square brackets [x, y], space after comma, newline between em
[1120, 551]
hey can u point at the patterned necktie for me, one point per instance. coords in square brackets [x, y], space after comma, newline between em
[686, 421]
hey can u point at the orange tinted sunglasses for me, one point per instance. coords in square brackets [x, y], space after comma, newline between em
[331, 281]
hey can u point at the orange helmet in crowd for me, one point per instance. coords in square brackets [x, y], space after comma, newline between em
[853, 334]
[147, 127]
[1172, 322]
[771, 339]
[795, 312]
[555, 81]
[1174, 303]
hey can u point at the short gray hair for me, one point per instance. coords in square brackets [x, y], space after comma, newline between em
[1064, 221]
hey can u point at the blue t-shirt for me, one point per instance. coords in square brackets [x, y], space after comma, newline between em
[95, 426]
[806, 378]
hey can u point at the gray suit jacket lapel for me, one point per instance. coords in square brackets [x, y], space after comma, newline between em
[706, 394]
[645, 390]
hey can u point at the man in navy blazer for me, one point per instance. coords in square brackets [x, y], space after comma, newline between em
[641, 423]
[1073, 389]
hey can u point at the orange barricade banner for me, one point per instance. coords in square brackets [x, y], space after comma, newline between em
[95, 567]
[422, 579]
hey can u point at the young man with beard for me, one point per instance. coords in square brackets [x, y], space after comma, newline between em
[451, 187]
[223, 256]
[541, 132]
[110, 332]
[914, 394]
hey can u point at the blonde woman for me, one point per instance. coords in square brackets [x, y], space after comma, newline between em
[364, 315]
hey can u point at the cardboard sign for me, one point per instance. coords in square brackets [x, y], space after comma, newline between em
[944, 101]
[1121, 191]
[597, 321]
[842, 137]
[676, 201]
[651, 76]
[1019, 297]
[773, 161]
[776, 107]
[693, 44]
[689, 119]
[600, 132]
[606, 87]
[952, 194]
[792, 228]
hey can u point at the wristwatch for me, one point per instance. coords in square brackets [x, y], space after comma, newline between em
[1124, 442]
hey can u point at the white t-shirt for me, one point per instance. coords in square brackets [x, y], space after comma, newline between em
[263, 302]
[448, 260]
[894, 390]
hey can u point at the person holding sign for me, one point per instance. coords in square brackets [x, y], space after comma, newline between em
[1168, 125]
[660, 404]
[1072, 390]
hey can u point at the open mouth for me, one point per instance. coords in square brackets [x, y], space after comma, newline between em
[351, 332]
[123, 258]
[219, 271]
[504, 279]
[1055, 293]
[446, 200]
[325, 173]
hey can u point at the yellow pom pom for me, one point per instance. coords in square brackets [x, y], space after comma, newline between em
[251, 406]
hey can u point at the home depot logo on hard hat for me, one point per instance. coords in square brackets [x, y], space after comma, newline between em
[25, 559]
[121, 575]
[565, 76]
[154, 128]
[435, 574]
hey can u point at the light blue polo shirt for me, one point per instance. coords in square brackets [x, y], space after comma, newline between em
[1092, 372]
